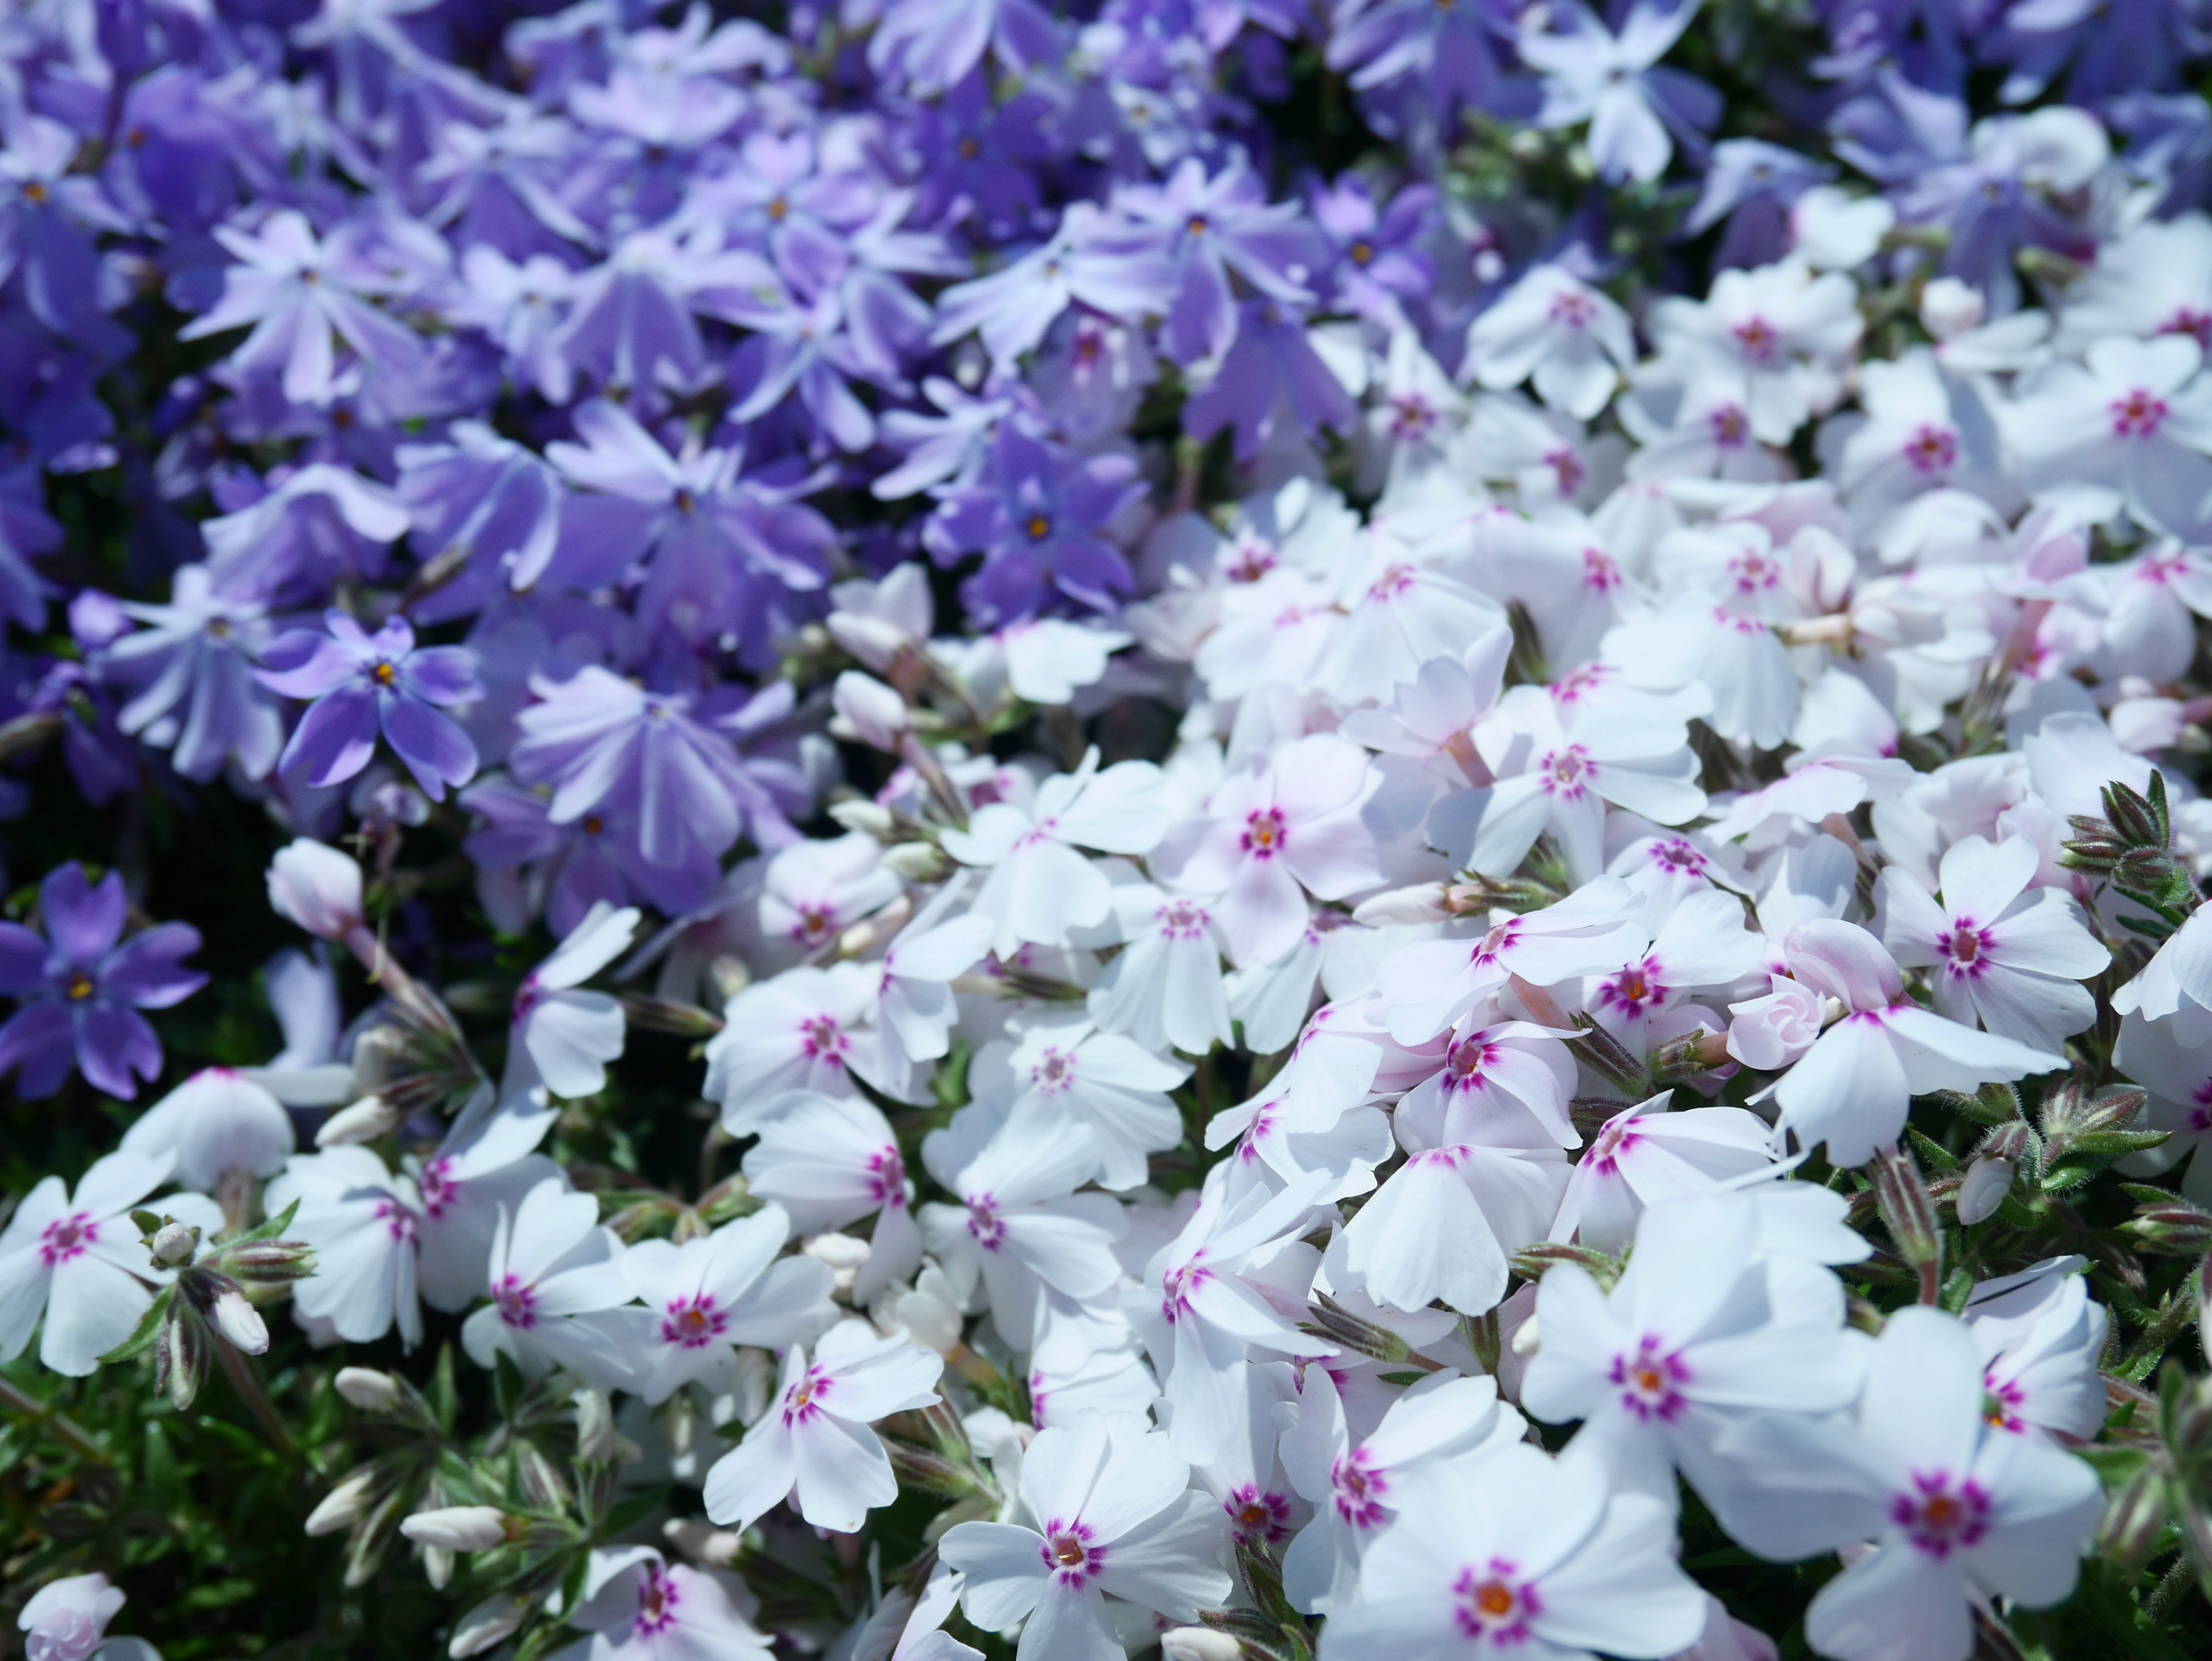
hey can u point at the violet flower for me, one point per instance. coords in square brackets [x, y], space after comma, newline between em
[364, 684]
[81, 988]
[1037, 515]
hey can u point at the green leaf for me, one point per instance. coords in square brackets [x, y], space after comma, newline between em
[147, 1330]
[627, 1515]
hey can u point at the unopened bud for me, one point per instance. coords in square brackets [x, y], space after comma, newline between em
[870, 711]
[342, 1505]
[240, 1322]
[1901, 1195]
[364, 1122]
[457, 1528]
[917, 861]
[865, 816]
[488, 1625]
[269, 1263]
[1198, 1644]
[2136, 818]
[367, 1389]
[596, 1440]
[1987, 1183]
[845, 1255]
[174, 1244]
[1422, 902]
[2134, 1518]
[701, 1541]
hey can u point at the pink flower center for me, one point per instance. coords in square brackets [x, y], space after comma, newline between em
[1568, 469]
[887, 1178]
[1755, 337]
[1491, 1603]
[1573, 310]
[516, 1301]
[984, 1222]
[1731, 428]
[2001, 1401]
[1256, 1517]
[1932, 449]
[693, 1322]
[1177, 1285]
[1566, 772]
[398, 1221]
[656, 1598]
[2193, 320]
[824, 1040]
[1068, 1553]
[1055, 1075]
[439, 1188]
[1615, 1140]
[1413, 417]
[1635, 990]
[1651, 1381]
[802, 1403]
[1464, 1062]
[813, 925]
[1500, 940]
[1599, 572]
[2138, 414]
[1358, 1489]
[1966, 950]
[1940, 1515]
[1183, 920]
[1265, 833]
[67, 1238]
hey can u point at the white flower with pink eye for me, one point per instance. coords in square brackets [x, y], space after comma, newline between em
[1786, 330]
[1434, 715]
[461, 1187]
[1645, 1155]
[1702, 943]
[561, 1036]
[363, 1222]
[2128, 426]
[831, 1160]
[1515, 1553]
[812, 890]
[1997, 948]
[639, 1607]
[1067, 1072]
[715, 1292]
[66, 1619]
[1701, 1329]
[558, 1293]
[79, 1259]
[814, 1444]
[1574, 341]
[808, 1029]
[1020, 1227]
[2040, 1337]
[1853, 1088]
[1286, 826]
[1557, 769]
[1514, 1070]
[2178, 1077]
[1399, 613]
[1959, 1508]
[1164, 990]
[1113, 1514]
[1355, 1483]
[1040, 888]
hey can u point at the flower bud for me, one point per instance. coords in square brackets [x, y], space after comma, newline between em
[173, 1244]
[457, 1528]
[2135, 1517]
[1770, 1033]
[342, 1505]
[239, 1321]
[869, 711]
[2139, 819]
[367, 1389]
[269, 1263]
[364, 1122]
[1198, 1644]
[317, 887]
[1949, 308]
[1901, 1195]
[596, 1440]
[1987, 1182]
[488, 1625]
[1422, 902]
[701, 1542]
[865, 816]
[917, 861]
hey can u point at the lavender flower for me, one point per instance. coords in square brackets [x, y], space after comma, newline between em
[362, 685]
[80, 987]
[1037, 515]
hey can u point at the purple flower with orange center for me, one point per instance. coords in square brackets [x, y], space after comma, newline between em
[362, 685]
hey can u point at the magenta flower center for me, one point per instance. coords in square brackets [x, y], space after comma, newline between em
[1941, 1514]
[67, 1238]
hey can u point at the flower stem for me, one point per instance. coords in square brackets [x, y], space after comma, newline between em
[246, 1381]
[65, 1429]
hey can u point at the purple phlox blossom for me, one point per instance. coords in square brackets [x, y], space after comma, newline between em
[1380, 264]
[499, 186]
[604, 743]
[2169, 146]
[1208, 228]
[952, 445]
[978, 159]
[629, 325]
[81, 986]
[521, 308]
[1752, 185]
[302, 294]
[795, 311]
[102, 760]
[925, 46]
[1437, 56]
[193, 666]
[526, 861]
[45, 213]
[730, 554]
[1271, 372]
[1637, 112]
[774, 188]
[2132, 45]
[1037, 514]
[361, 684]
[312, 529]
[27, 531]
[485, 501]
[1095, 258]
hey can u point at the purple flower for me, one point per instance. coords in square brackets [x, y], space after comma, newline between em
[362, 685]
[1271, 372]
[1210, 228]
[1752, 185]
[525, 860]
[1379, 262]
[1439, 56]
[925, 46]
[1037, 515]
[194, 663]
[80, 991]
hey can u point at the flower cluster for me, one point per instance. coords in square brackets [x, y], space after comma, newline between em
[1268, 828]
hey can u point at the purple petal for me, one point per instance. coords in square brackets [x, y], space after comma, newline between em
[149, 972]
[334, 739]
[305, 665]
[113, 1043]
[84, 922]
[22, 960]
[40, 1039]
[436, 752]
[442, 674]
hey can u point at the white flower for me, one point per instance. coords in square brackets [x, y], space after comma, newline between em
[80, 1259]
[362, 1221]
[219, 1120]
[1998, 949]
[569, 1037]
[813, 890]
[1853, 1088]
[478, 1168]
[814, 1440]
[1521, 1556]
[1066, 1072]
[714, 1292]
[808, 1029]
[1040, 889]
[317, 887]
[916, 1007]
[1955, 1505]
[1552, 325]
[2129, 427]
[1272, 833]
[829, 1161]
[1785, 330]
[644, 1609]
[1593, 75]
[1165, 988]
[2040, 1339]
[870, 711]
[65, 1620]
[558, 1292]
[1356, 1484]
[1699, 1330]
[1646, 1155]
[1115, 1514]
